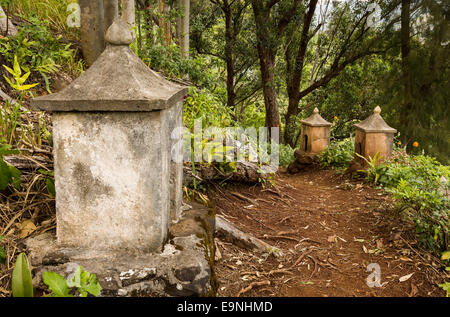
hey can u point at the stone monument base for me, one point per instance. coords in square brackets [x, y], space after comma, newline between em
[184, 267]
[303, 160]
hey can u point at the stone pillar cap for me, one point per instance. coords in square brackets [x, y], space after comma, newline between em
[117, 81]
[316, 120]
[375, 123]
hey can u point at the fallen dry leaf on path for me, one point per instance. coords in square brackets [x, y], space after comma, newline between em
[405, 278]
[26, 228]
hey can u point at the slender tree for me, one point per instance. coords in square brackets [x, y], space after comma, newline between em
[406, 71]
[92, 29]
[271, 21]
[233, 12]
[183, 26]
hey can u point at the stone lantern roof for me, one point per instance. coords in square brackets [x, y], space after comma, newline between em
[316, 120]
[105, 86]
[375, 123]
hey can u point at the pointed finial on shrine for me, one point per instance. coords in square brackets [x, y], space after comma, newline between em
[316, 110]
[119, 33]
[377, 110]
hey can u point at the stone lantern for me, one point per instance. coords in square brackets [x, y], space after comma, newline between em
[373, 136]
[116, 186]
[315, 133]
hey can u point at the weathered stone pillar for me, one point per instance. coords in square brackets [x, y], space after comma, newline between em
[110, 12]
[112, 143]
[373, 136]
[315, 133]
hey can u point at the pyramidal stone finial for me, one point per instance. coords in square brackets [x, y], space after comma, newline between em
[377, 110]
[316, 110]
[118, 33]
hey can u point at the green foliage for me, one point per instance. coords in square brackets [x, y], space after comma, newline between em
[54, 12]
[374, 170]
[446, 286]
[21, 282]
[286, 154]
[49, 182]
[168, 60]
[338, 154]
[8, 173]
[18, 82]
[418, 183]
[205, 105]
[85, 283]
[2, 253]
[82, 283]
[57, 284]
[15, 125]
[352, 96]
[36, 49]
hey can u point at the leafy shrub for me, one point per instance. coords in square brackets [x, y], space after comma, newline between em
[418, 183]
[201, 103]
[15, 125]
[286, 155]
[338, 154]
[374, 170]
[82, 283]
[36, 49]
[169, 60]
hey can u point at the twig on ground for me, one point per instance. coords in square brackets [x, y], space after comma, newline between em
[300, 259]
[280, 237]
[315, 265]
[251, 286]
[251, 201]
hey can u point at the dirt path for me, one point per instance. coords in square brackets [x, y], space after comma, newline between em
[333, 228]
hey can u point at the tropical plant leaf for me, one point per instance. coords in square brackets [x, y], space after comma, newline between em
[17, 69]
[21, 283]
[57, 284]
[50, 187]
[26, 87]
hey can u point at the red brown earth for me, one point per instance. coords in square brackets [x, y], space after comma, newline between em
[330, 229]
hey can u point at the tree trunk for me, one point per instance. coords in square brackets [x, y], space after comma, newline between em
[92, 29]
[266, 55]
[129, 15]
[294, 77]
[405, 49]
[110, 12]
[229, 44]
[184, 6]
[164, 10]
[267, 64]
